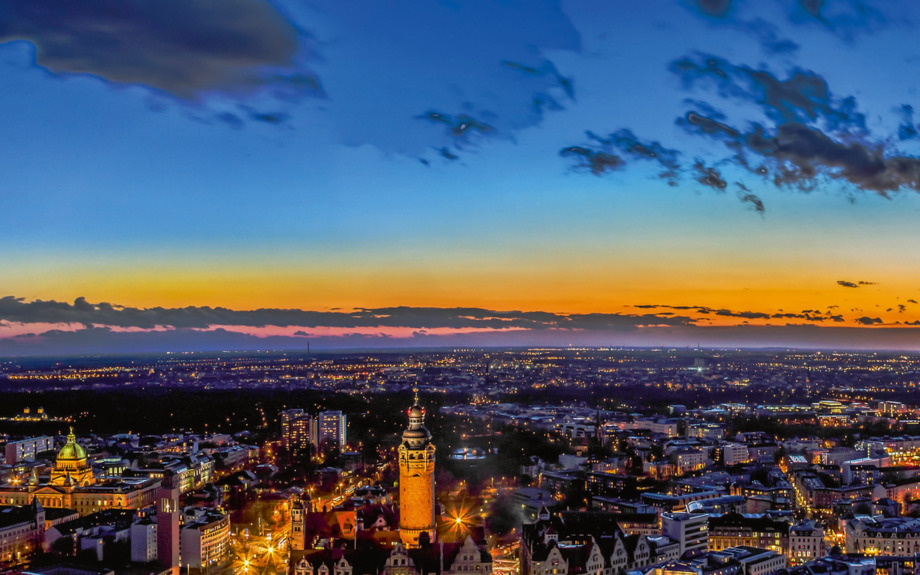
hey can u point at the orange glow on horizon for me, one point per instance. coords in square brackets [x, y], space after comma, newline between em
[573, 285]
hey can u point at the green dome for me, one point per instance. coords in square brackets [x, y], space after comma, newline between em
[71, 450]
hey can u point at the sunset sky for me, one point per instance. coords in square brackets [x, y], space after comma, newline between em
[245, 174]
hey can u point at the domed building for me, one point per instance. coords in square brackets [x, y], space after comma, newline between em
[70, 466]
[72, 485]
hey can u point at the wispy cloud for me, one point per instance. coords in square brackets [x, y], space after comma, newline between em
[605, 154]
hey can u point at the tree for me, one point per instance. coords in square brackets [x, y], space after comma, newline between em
[503, 516]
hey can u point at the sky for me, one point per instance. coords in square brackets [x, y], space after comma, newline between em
[250, 174]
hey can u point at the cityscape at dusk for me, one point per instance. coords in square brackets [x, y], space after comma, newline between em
[460, 287]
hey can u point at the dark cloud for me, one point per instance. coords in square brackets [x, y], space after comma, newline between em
[459, 126]
[81, 312]
[817, 138]
[594, 160]
[462, 129]
[709, 177]
[185, 48]
[98, 327]
[700, 124]
[802, 157]
[601, 155]
[808, 315]
[865, 283]
[743, 314]
[911, 301]
[447, 155]
[847, 284]
[712, 178]
[101, 340]
[907, 130]
[748, 197]
[801, 97]
[845, 18]
[712, 8]
[267, 117]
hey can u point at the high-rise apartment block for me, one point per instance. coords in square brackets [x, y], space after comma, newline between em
[299, 430]
[295, 430]
[331, 427]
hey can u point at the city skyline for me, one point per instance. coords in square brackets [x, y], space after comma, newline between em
[264, 175]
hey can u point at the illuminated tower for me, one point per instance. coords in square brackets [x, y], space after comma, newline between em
[168, 523]
[298, 514]
[416, 480]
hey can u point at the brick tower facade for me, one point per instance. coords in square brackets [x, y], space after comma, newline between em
[416, 480]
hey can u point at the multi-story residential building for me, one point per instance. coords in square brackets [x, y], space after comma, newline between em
[891, 408]
[813, 493]
[736, 530]
[204, 539]
[296, 428]
[331, 426]
[299, 430]
[690, 530]
[21, 532]
[688, 459]
[734, 453]
[883, 536]
[144, 540]
[806, 543]
[25, 449]
[902, 491]
[639, 523]
[706, 430]
[753, 560]
[607, 484]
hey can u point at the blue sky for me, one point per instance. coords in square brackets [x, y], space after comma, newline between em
[572, 158]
